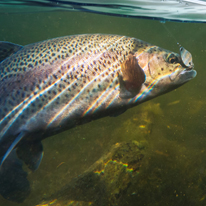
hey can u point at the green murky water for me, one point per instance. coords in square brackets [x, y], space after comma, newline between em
[173, 171]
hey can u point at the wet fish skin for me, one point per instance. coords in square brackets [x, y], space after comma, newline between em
[57, 84]
[47, 83]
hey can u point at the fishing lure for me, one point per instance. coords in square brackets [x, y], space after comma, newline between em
[186, 57]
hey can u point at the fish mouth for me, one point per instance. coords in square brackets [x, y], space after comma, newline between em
[189, 68]
[189, 71]
[185, 75]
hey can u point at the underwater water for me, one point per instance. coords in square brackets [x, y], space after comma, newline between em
[171, 127]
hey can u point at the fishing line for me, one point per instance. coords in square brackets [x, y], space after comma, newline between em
[163, 24]
[185, 55]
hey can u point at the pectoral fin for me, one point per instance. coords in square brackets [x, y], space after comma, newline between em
[131, 79]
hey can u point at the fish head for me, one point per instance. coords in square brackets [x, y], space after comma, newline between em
[164, 70]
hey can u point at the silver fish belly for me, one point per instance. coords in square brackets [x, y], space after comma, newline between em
[57, 84]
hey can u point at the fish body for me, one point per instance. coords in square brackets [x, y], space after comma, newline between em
[57, 84]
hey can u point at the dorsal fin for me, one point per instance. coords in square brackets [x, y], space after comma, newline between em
[7, 49]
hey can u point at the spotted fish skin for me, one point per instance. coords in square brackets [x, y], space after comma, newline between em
[58, 82]
[54, 85]
[61, 80]
[48, 82]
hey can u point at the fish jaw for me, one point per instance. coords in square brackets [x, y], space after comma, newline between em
[183, 76]
[161, 86]
[168, 82]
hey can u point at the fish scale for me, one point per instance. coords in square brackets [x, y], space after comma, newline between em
[61, 77]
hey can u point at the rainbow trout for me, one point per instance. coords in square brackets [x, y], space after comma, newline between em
[57, 84]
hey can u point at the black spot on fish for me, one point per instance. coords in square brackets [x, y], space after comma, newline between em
[55, 76]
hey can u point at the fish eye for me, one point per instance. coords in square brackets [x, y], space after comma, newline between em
[172, 59]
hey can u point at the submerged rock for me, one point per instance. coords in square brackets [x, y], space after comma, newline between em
[106, 181]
